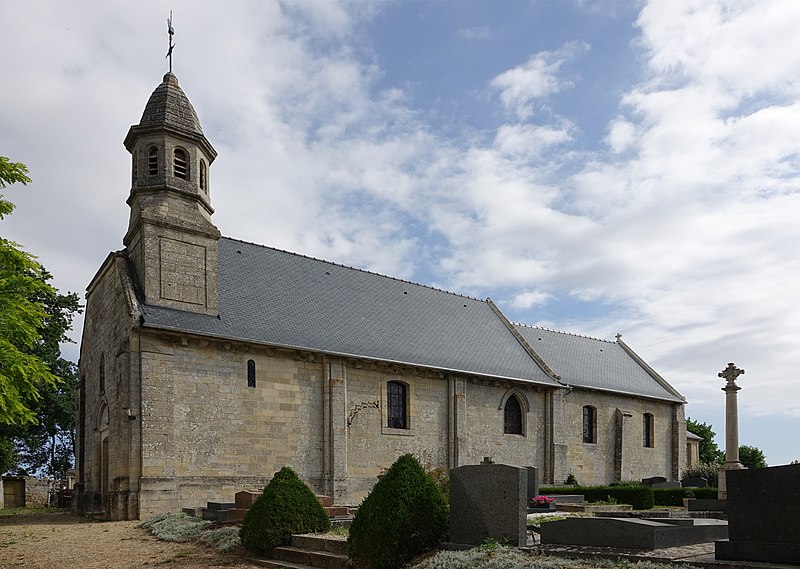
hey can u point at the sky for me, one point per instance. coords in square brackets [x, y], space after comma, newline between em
[596, 167]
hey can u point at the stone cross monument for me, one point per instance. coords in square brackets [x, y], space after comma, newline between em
[729, 374]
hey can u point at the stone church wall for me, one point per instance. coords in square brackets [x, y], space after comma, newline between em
[619, 453]
[106, 484]
[371, 446]
[484, 424]
[207, 435]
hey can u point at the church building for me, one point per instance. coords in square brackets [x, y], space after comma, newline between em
[208, 363]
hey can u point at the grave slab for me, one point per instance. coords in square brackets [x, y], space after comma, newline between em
[631, 533]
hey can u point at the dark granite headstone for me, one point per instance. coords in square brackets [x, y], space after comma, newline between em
[533, 483]
[694, 482]
[653, 480]
[763, 505]
[488, 501]
[672, 485]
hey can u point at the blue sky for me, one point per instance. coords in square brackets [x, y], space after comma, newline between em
[593, 167]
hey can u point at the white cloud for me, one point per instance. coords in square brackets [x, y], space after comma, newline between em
[525, 300]
[680, 231]
[621, 135]
[536, 79]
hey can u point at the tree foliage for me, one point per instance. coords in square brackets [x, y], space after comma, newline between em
[36, 383]
[749, 456]
[752, 457]
[709, 451]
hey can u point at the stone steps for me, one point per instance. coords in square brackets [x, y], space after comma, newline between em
[308, 552]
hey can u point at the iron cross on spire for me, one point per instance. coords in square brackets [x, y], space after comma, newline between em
[171, 32]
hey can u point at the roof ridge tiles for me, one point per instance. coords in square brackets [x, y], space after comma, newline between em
[562, 332]
[365, 271]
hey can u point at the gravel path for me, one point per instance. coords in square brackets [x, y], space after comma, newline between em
[61, 540]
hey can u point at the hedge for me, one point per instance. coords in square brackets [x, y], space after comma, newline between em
[675, 496]
[640, 497]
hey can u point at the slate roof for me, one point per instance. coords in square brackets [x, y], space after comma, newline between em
[597, 364]
[273, 297]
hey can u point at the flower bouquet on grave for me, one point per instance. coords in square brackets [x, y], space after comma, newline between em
[543, 503]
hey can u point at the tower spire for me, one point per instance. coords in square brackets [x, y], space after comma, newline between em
[171, 32]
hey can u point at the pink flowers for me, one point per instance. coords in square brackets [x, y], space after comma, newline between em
[542, 501]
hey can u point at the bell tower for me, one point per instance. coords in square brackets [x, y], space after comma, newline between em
[171, 240]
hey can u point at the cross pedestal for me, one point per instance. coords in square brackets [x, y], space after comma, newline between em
[730, 374]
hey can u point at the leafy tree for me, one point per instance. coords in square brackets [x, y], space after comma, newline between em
[36, 384]
[11, 173]
[709, 451]
[752, 457]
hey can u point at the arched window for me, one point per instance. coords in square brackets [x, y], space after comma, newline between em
[203, 174]
[512, 416]
[102, 373]
[647, 430]
[181, 164]
[135, 167]
[397, 396]
[152, 161]
[589, 424]
[251, 373]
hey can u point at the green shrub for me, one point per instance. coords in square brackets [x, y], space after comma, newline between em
[285, 507]
[675, 496]
[703, 470]
[404, 515]
[442, 479]
[640, 497]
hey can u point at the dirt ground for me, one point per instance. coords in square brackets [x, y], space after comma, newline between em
[61, 540]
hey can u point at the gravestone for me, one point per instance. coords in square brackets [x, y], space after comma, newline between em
[653, 480]
[694, 482]
[488, 501]
[762, 515]
[217, 511]
[672, 485]
[533, 483]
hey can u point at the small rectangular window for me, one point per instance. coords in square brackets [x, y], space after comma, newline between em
[647, 430]
[589, 424]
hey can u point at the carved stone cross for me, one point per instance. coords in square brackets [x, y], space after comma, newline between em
[730, 373]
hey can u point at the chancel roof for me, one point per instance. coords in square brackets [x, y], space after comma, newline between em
[597, 364]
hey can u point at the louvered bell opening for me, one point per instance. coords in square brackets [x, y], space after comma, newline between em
[181, 165]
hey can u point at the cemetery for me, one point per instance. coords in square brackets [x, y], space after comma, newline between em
[406, 514]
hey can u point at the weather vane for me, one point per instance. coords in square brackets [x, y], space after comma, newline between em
[171, 33]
